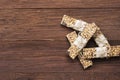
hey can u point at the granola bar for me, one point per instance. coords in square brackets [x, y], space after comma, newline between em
[101, 52]
[71, 38]
[79, 25]
[82, 40]
[70, 22]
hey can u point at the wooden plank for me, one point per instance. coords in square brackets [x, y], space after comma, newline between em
[43, 45]
[33, 44]
[43, 24]
[46, 56]
[61, 76]
[74, 76]
[56, 64]
[59, 4]
[24, 48]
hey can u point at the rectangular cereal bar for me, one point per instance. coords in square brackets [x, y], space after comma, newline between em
[82, 40]
[71, 38]
[101, 52]
[70, 22]
[79, 25]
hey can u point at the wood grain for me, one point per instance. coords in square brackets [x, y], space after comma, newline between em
[59, 4]
[68, 76]
[36, 56]
[32, 24]
[33, 44]
[60, 76]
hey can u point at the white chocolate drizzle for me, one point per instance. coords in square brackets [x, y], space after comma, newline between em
[80, 42]
[101, 52]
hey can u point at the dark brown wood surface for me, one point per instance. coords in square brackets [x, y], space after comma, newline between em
[33, 44]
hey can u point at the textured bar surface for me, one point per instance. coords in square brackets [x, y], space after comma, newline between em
[71, 38]
[73, 23]
[82, 40]
[85, 63]
[101, 52]
[79, 25]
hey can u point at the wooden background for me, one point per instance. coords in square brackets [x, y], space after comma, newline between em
[33, 44]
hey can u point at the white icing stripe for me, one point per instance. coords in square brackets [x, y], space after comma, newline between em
[80, 42]
[101, 40]
[79, 25]
[101, 52]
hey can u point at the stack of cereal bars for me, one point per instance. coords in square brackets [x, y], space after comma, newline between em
[79, 41]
